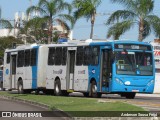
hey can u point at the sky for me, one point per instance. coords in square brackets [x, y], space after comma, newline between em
[82, 27]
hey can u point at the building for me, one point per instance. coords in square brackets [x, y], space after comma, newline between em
[156, 47]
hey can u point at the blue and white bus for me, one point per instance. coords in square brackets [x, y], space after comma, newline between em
[92, 68]
[24, 68]
[96, 68]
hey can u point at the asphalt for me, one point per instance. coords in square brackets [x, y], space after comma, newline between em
[148, 95]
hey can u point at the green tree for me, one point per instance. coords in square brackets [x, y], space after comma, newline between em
[137, 12]
[52, 11]
[87, 9]
[34, 29]
[5, 43]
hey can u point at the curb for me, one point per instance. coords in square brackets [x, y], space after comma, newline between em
[37, 104]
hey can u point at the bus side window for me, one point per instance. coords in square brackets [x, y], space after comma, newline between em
[79, 56]
[20, 61]
[95, 55]
[27, 57]
[33, 57]
[8, 58]
[64, 56]
[51, 56]
[58, 57]
[87, 55]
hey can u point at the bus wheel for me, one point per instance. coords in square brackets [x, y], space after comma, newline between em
[130, 95]
[1, 85]
[20, 87]
[93, 91]
[57, 88]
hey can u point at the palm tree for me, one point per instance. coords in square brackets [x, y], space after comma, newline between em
[136, 12]
[87, 9]
[52, 11]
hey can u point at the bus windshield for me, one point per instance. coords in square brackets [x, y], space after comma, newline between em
[134, 63]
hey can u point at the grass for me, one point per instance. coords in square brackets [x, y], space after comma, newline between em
[72, 104]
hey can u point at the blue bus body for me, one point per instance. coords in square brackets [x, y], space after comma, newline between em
[121, 83]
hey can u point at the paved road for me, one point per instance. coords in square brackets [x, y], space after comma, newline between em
[8, 105]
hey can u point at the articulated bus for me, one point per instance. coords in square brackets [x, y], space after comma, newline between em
[92, 68]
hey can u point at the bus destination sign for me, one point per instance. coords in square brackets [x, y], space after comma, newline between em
[132, 47]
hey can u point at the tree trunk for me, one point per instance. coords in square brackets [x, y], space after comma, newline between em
[141, 30]
[92, 26]
[50, 31]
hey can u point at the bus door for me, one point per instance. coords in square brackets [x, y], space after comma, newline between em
[13, 70]
[106, 69]
[70, 67]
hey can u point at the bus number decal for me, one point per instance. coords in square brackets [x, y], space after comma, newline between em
[81, 72]
[57, 72]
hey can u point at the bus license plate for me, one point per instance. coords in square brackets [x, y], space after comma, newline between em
[135, 90]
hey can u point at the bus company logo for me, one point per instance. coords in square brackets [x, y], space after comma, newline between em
[58, 72]
[93, 71]
[7, 71]
[81, 72]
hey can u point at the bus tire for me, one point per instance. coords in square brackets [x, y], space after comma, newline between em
[1, 84]
[130, 95]
[57, 88]
[20, 87]
[93, 91]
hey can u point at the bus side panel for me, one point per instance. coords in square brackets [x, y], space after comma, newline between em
[27, 80]
[49, 77]
[34, 77]
[54, 72]
[35, 70]
[6, 73]
[42, 62]
[81, 78]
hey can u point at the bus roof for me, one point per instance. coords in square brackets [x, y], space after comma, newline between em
[79, 43]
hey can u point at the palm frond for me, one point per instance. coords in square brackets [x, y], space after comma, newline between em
[42, 3]
[119, 28]
[152, 19]
[147, 29]
[66, 6]
[121, 14]
[6, 24]
[35, 9]
[143, 7]
[126, 3]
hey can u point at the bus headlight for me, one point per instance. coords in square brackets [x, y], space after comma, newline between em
[151, 82]
[119, 81]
